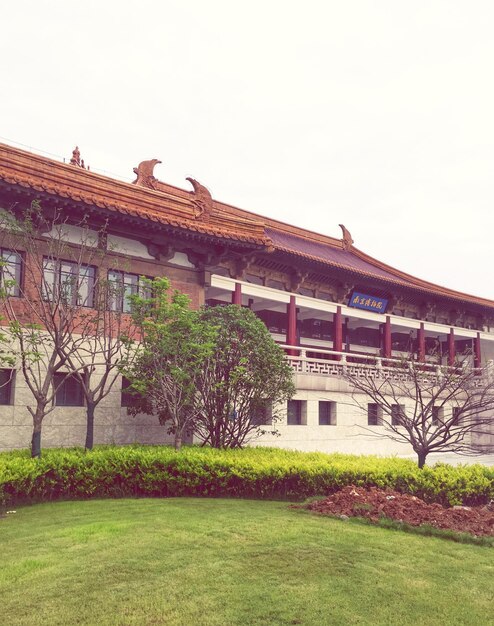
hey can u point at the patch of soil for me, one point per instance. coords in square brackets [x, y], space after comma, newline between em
[374, 503]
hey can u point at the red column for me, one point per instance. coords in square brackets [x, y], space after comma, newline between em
[291, 327]
[237, 294]
[387, 337]
[477, 355]
[337, 331]
[421, 343]
[451, 347]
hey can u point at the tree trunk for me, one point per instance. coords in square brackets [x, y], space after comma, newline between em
[421, 456]
[90, 425]
[178, 440]
[36, 438]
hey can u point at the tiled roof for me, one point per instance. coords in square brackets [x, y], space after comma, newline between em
[24, 169]
[356, 261]
[324, 253]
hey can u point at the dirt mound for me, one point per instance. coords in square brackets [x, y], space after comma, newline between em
[376, 503]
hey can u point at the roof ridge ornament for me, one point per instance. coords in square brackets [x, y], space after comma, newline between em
[76, 159]
[202, 199]
[145, 176]
[346, 240]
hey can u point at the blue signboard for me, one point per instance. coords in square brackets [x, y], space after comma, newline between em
[369, 303]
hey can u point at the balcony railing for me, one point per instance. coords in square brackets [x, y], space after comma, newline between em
[339, 364]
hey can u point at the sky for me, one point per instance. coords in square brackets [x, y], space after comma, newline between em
[375, 114]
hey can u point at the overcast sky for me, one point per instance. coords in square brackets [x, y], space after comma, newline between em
[375, 114]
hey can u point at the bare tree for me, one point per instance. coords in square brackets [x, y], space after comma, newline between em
[434, 409]
[99, 344]
[50, 310]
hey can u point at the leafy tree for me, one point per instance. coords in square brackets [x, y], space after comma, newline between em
[439, 409]
[243, 382]
[173, 346]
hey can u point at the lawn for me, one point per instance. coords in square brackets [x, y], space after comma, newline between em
[210, 562]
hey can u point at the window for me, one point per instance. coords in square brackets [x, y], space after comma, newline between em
[401, 341]
[296, 413]
[437, 415]
[71, 282]
[457, 415]
[10, 271]
[122, 285]
[397, 414]
[363, 336]
[316, 329]
[127, 398]
[374, 414]
[68, 390]
[6, 386]
[327, 413]
[263, 415]
[274, 320]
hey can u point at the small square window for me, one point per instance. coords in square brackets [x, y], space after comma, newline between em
[263, 415]
[437, 415]
[374, 414]
[128, 398]
[327, 413]
[68, 390]
[296, 412]
[397, 414]
[457, 415]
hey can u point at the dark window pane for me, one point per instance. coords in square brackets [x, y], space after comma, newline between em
[294, 413]
[397, 414]
[327, 413]
[68, 390]
[275, 320]
[373, 414]
[262, 415]
[127, 398]
[6, 384]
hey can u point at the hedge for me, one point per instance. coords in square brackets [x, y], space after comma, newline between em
[152, 471]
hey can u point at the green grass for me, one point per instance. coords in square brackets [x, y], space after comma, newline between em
[228, 562]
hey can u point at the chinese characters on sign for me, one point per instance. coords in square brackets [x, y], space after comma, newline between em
[369, 303]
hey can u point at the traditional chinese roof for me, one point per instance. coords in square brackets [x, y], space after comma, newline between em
[357, 262]
[196, 212]
[172, 208]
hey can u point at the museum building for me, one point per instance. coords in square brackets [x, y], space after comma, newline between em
[331, 306]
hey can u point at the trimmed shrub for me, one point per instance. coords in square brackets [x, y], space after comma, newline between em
[152, 471]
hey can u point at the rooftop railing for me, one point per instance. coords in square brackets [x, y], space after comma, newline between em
[339, 364]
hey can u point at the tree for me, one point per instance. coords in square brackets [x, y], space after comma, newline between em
[173, 346]
[48, 322]
[244, 381]
[97, 348]
[434, 409]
